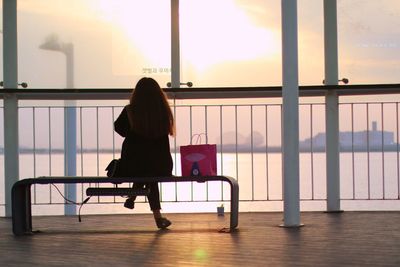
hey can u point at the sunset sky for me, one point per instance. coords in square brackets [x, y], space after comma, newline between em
[223, 43]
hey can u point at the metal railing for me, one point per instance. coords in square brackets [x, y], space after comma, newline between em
[371, 167]
[248, 137]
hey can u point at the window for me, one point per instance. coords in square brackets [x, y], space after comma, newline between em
[369, 41]
[230, 43]
[114, 42]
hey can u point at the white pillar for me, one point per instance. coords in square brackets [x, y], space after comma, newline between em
[290, 96]
[10, 69]
[331, 108]
[70, 132]
[175, 50]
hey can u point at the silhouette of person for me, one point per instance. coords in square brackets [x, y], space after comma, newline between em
[146, 123]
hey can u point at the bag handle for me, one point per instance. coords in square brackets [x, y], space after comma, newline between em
[198, 139]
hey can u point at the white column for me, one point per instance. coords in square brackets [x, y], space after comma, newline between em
[331, 107]
[70, 132]
[175, 50]
[290, 96]
[10, 69]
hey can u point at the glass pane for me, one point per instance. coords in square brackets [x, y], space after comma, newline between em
[230, 42]
[311, 42]
[369, 41]
[114, 42]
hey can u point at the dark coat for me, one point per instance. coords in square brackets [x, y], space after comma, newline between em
[141, 155]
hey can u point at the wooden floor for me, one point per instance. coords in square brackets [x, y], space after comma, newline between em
[345, 239]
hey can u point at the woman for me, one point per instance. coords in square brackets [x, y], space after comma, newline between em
[146, 124]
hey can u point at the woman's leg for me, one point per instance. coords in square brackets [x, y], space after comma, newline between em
[154, 196]
[155, 206]
[130, 202]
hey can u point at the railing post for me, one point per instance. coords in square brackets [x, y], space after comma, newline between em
[331, 107]
[290, 95]
[70, 156]
[10, 69]
[175, 49]
[70, 133]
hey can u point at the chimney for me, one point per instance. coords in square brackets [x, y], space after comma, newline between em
[374, 126]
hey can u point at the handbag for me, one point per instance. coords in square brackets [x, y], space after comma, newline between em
[199, 159]
[113, 168]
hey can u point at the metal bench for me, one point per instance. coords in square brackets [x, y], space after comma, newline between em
[21, 194]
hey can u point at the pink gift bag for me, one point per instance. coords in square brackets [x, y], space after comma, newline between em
[199, 160]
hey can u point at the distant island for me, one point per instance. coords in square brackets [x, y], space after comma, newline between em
[367, 140]
[359, 141]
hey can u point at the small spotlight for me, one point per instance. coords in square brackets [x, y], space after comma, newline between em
[344, 80]
[23, 85]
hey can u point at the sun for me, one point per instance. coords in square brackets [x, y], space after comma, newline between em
[214, 32]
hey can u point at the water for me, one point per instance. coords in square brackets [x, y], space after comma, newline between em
[373, 176]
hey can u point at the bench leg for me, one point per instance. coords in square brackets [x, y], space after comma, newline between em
[234, 219]
[21, 209]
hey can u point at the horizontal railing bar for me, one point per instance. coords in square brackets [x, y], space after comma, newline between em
[176, 201]
[206, 201]
[364, 103]
[217, 201]
[365, 199]
[177, 105]
[200, 93]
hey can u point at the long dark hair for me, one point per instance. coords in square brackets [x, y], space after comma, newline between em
[149, 111]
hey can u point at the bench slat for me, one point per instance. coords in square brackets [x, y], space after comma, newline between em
[115, 191]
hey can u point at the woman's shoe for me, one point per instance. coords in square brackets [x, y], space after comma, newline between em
[163, 223]
[129, 203]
